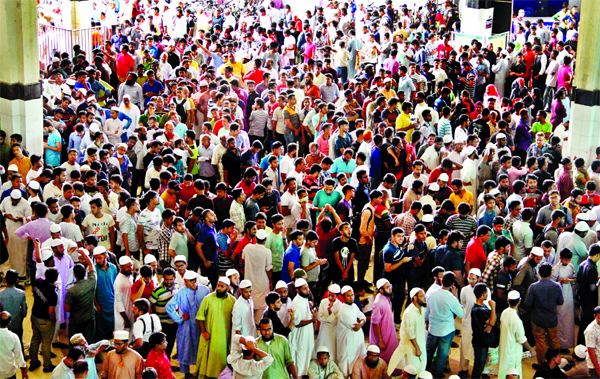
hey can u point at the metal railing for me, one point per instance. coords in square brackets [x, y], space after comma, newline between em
[52, 39]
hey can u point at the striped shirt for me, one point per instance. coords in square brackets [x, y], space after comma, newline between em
[164, 238]
[259, 120]
[467, 225]
[160, 297]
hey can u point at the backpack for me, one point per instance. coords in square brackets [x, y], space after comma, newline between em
[357, 221]
[180, 109]
[145, 349]
[542, 236]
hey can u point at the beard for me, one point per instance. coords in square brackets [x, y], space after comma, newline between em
[221, 295]
[268, 339]
[371, 364]
[422, 304]
[386, 294]
[283, 299]
[129, 82]
[303, 294]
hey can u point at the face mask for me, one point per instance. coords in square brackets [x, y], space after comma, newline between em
[119, 155]
[304, 200]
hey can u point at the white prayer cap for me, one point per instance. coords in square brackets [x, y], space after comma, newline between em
[34, 185]
[280, 284]
[475, 271]
[447, 138]
[13, 167]
[495, 192]
[202, 280]
[583, 216]
[225, 280]
[55, 228]
[85, 167]
[149, 258]
[346, 289]
[46, 253]
[469, 150]
[127, 96]
[598, 228]
[454, 377]
[582, 227]
[592, 215]
[500, 136]
[581, 351]
[56, 242]
[55, 60]
[373, 349]
[122, 335]
[322, 349]
[115, 109]
[190, 275]
[76, 339]
[410, 369]
[444, 177]
[537, 251]
[245, 284]
[300, 282]
[334, 288]
[458, 140]
[231, 271]
[178, 152]
[425, 375]
[434, 187]
[180, 258]
[382, 282]
[514, 295]
[121, 145]
[203, 83]
[2, 172]
[16, 195]
[99, 250]
[512, 371]
[427, 218]
[94, 128]
[261, 234]
[563, 363]
[248, 339]
[415, 291]
[124, 260]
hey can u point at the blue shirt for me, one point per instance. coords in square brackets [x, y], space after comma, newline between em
[264, 163]
[375, 171]
[441, 309]
[105, 286]
[124, 166]
[53, 157]
[542, 298]
[208, 238]
[96, 86]
[156, 88]
[340, 166]
[6, 194]
[292, 254]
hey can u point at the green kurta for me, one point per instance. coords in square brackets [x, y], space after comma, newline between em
[212, 354]
[279, 349]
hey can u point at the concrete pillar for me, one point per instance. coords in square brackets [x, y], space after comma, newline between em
[20, 87]
[81, 11]
[584, 132]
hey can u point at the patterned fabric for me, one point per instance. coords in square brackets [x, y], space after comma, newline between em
[237, 215]
[160, 297]
[164, 238]
[494, 264]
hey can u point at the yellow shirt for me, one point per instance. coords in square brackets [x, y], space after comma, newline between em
[402, 122]
[388, 94]
[238, 68]
[464, 197]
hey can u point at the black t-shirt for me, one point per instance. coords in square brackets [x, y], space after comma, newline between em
[393, 255]
[200, 201]
[44, 297]
[346, 249]
[148, 159]
[377, 117]
[503, 281]
[390, 116]
[452, 260]
[232, 164]
[479, 316]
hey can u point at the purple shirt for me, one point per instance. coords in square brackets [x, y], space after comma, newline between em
[39, 229]
[382, 316]
[392, 65]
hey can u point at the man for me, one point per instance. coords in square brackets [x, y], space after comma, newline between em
[367, 234]
[106, 273]
[258, 270]
[327, 315]
[242, 315]
[587, 277]
[349, 335]
[181, 309]
[396, 269]
[301, 338]
[274, 306]
[145, 325]
[79, 301]
[11, 350]
[13, 300]
[279, 348]
[512, 338]
[122, 290]
[542, 299]
[443, 306]
[100, 224]
[475, 256]
[43, 319]
[383, 331]
[370, 366]
[550, 368]
[161, 295]
[412, 335]
[483, 318]
[592, 339]
[148, 227]
[123, 362]
[467, 300]
[65, 367]
[323, 367]
[214, 318]
[242, 358]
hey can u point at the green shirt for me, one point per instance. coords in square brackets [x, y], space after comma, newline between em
[490, 245]
[322, 199]
[279, 349]
[179, 244]
[275, 244]
[544, 128]
[160, 297]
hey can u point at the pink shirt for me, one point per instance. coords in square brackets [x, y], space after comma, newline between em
[513, 174]
[382, 315]
[564, 74]
[323, 145]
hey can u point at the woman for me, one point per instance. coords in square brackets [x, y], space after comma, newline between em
[564, 274]
[491, 92]
[558, 109]
[157, 358]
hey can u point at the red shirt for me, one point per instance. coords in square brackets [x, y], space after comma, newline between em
[147, 290]
[475, 254]
[160, 363]
[187, 193]
[529, 59]
[239, 262]
[595, 200]
[125, 64]
[246, 188]
[256, 75]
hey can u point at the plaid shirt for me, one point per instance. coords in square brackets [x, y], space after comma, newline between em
[494, 264]
[237, 215]
[323, 176]
[407, 222]
[164, 238]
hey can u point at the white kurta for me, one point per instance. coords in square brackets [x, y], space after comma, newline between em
[257, 260]
[302, 340]
[17, 247]
[123, 301]
[512, 338]
[328, 325]
[350, 343]
[412, 327]
[566, 312]
[242, 318]
[468, 174]
[283, 314]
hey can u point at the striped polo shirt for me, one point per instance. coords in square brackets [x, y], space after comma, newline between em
[160, 297]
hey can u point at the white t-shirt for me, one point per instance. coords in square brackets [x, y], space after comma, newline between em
[289, 200]
[99, 227]
[150, 220]
[152, 323]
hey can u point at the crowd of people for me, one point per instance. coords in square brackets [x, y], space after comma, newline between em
[260, 194]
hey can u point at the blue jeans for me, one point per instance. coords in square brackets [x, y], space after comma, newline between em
[342, 74]
[479, 362]
[440, 348]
